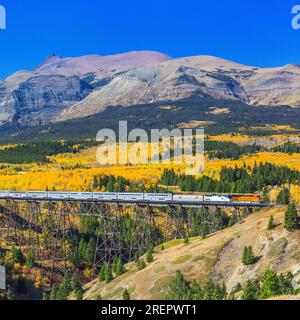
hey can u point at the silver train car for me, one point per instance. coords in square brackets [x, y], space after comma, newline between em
[158, 197]
[187, 198]
[105, 196]
[109, 196]
[130, 196]
[37, 194]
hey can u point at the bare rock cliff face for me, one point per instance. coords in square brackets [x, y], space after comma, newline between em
[36, 97]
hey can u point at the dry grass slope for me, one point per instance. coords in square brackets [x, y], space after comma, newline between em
[218, 257]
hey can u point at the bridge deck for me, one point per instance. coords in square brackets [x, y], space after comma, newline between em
[143, 202]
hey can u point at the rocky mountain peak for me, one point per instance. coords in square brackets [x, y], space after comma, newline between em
[75, 87]
[51, 58]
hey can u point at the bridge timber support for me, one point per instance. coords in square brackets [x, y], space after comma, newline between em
[50, 228]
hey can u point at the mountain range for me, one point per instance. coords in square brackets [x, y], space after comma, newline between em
[62, 89]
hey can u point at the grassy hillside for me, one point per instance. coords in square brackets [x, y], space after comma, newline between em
[217, 258]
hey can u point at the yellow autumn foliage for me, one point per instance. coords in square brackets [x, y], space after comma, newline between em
[34, 177]
[75, 171]
[295, 193]
[241, 139]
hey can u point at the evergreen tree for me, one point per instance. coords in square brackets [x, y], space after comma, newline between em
[108, 277]
[251, 290]
[65, 288]
[248, 256]
[140, 264]
[67, 282]
[126, 295]
[102, 272]
[149, 257]
[178, 288]
[82, 248]
[79, 294]
[90, 251]
[114, 264]
[30, 259]
[204, 230]
[75, 254]
[271, 223]
[283, 196]
[285, 284]
[17, 255]
[291, 217]
[110, 186]
[231, 221]
[76, 286]
[60, 295]
[53, 293]
[265, 196]
[270, 284]
[95, 182]
[237, 180]
[119, 268]
[88, 226]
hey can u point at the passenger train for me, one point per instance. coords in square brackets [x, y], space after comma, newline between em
[129, 196]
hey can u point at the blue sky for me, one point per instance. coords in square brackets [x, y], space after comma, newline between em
[251, 32]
